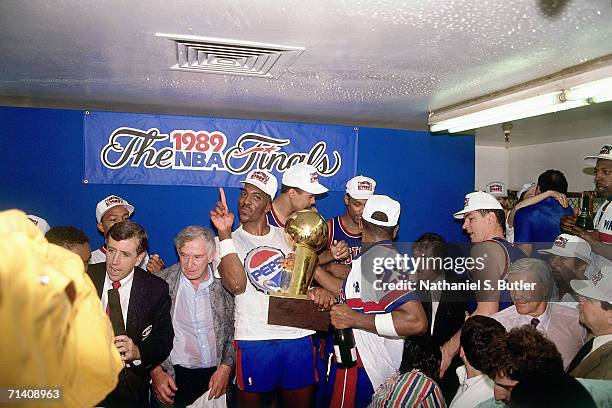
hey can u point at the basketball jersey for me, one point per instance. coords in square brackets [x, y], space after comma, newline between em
[273, 219]
[337, 232]
[512, 254]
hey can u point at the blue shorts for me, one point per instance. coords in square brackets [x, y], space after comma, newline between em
[263, 365]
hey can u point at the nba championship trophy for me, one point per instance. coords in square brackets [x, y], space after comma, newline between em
[307, 233]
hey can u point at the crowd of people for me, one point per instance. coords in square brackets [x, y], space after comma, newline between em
[529, 324]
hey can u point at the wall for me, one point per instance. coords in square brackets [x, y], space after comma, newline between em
[527, 162]
[41, 156]
[491, 164]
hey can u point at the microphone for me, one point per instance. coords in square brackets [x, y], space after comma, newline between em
[116, 315]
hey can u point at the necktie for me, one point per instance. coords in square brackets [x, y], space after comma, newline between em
[584, 350]
[534, 322]
[116, 285]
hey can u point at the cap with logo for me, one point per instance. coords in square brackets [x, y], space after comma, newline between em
[599, 287]
[305, 177]
[385, 205]
[570, 246]
[497, 189]
[110, 202]
[263, 180]
[604, 154]
[478, 200]
[41, 223]
[526, 187]
[360, 187]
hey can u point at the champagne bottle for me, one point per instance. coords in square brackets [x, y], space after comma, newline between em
[585, 219]
[345, 348]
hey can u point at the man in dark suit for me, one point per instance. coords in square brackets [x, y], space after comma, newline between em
[445, 309]
[594, 359]
[145, 308]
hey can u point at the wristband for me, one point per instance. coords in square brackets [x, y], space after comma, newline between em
[226, 247]
[384, 325]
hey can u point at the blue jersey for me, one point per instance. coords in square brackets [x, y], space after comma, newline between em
[339, 232]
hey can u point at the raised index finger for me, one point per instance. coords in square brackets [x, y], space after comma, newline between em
[222, 195]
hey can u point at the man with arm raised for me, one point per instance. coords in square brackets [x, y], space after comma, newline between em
[269, 358]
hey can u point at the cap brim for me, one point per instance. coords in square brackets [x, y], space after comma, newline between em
[592, 160]
[259, 187]
[314, 189]
[129, 207]
[461, 214]
[585, 288]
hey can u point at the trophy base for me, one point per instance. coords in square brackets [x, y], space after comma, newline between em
[302, 313]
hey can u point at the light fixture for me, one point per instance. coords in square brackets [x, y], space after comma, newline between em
[507, 128]
[571, 88]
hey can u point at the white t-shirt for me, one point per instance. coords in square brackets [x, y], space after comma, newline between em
[251, 306]
[99, 256]
[603, 221]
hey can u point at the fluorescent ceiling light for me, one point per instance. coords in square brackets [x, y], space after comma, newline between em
[589, 90]
[571, 88]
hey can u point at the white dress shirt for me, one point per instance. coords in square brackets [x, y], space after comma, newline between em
[558, 323]
[124, 293]
[472, 391]
[599, 341]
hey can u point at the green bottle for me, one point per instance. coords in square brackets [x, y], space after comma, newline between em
[585, 219]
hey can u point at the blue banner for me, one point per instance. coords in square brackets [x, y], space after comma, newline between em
[129, 148]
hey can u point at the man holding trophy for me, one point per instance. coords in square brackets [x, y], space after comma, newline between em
[269, 358]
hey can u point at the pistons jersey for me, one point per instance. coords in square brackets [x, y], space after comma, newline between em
[338, 232]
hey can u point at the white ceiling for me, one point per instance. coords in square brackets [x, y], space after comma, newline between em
[382, 63]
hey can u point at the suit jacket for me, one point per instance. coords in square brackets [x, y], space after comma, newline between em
[149, 326]
[450, 314]
[222, 304]
[597, 365]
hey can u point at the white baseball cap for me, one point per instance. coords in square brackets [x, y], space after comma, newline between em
[478, 200]
[263, 180]
[305, 177]
[110, 202]
[570, 246]
[360, 187]
[497, 189]
[41, 223]
[384, 204]
[605, 154]
[526, 187]
[599, 287]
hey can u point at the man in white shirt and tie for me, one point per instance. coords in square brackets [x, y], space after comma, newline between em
[559, 323]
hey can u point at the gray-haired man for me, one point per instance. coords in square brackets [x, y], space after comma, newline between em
[203, 355]
[532, 285]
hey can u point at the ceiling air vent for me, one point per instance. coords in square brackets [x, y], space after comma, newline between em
[229, 57]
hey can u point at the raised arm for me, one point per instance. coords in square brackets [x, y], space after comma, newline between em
[230, 268]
